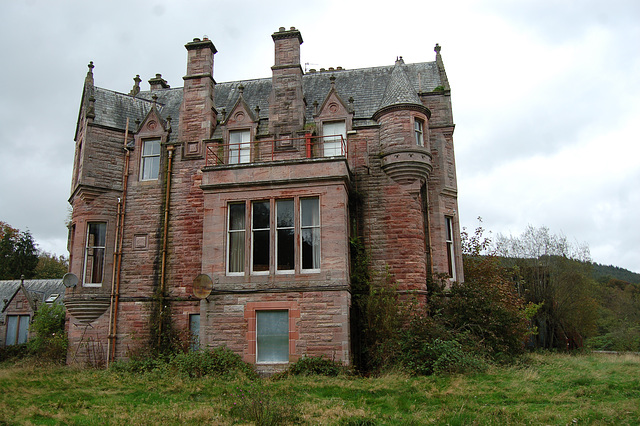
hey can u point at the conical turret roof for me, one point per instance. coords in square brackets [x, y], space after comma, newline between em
[399, 90]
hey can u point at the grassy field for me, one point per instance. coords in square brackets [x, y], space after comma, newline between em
[543, 389]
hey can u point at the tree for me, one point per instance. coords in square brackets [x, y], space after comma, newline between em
[556, 274]
[18, 253]
[51, 266]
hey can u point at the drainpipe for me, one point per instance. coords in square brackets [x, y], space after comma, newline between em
[165, 232]
[117, 254]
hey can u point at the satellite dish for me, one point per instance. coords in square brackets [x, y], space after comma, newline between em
[70, 279]
[202, 286]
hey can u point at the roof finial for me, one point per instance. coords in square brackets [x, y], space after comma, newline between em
[437, 49]
[241, 89]
[89, 78]
[155, 99]
[136, 86]
[333, 80]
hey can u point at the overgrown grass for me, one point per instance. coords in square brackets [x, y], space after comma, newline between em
[542, 389]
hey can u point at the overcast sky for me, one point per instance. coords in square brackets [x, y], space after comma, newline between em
[546, 95]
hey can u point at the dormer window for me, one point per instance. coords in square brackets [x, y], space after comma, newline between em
[418, 127]
[150, 163]
[239, 146]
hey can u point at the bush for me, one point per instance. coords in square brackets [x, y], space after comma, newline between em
[220, 361]
[138, 365]
[316, 365]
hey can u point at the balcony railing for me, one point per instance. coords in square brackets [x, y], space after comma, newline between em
[276, 149]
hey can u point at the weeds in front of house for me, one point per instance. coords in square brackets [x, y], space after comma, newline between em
[317, 366]
[543, 388]
[216, 362]
[257, 403]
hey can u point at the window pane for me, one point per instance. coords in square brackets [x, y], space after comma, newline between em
[310, 211]
[285, 249]
[260, 251]
[236, 216]
[311, 248]
[236, 251]
[151, 148]
[261, 214]
[23, 329]
[285, 213]
[272, 335]
[12, 330]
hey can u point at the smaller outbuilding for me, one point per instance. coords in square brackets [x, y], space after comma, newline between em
[19, 301]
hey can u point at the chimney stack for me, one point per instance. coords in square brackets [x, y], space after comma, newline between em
[197, 113]
[286, 102]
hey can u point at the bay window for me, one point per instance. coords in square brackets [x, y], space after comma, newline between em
[293, 231]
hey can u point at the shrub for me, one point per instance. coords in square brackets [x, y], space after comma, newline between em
[139, 365]
[316, 365]
[50, 340]
[220, 361]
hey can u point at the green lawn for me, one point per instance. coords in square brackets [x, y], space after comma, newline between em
[543, 389]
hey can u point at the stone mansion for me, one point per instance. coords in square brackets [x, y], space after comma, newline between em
[227, 209]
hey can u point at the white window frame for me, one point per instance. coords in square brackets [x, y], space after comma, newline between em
[230, 232]
[150, 160]
[239, 146]
[314, 228]
[334, 133]
[418, 130]
[262, 313]
[254, 230]
[292, 227]
[92, 246]
[451, 253]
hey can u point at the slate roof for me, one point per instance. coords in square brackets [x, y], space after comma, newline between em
[370, 88]
[38, 291]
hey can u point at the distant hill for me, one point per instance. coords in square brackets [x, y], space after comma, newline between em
[602, 273]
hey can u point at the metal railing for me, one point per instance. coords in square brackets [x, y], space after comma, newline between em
[218, 153]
